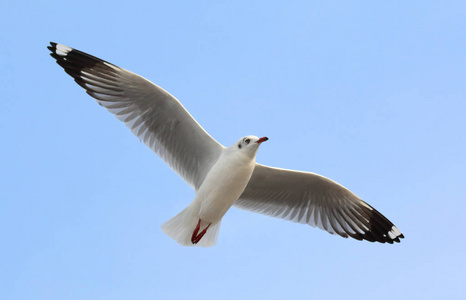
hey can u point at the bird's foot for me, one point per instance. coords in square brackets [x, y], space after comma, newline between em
[196, 237]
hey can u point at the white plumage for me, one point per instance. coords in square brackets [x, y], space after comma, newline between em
[221, 176]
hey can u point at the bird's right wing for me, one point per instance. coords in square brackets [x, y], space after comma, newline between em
[152, 114]
[315, 200]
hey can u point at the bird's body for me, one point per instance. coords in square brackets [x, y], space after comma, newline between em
[224, 183]
[220, 176]
[222, 186]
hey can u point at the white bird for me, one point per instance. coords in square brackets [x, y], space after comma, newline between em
[221, 176]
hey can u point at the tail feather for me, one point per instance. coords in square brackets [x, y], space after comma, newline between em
[181, 227]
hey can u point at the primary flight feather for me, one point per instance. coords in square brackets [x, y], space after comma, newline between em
[221, 176]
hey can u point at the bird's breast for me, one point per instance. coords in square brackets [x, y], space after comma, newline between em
[222, 186]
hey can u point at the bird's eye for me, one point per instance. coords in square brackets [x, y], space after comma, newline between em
[247, 141]
[239, 146]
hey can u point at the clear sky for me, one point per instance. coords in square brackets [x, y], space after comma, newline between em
[371, 95]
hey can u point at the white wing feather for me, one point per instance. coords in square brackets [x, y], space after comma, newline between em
[153, 115]
[315, 200]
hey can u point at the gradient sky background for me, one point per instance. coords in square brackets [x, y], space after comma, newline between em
[371, 95]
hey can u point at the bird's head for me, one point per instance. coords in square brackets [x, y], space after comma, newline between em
[249, 144]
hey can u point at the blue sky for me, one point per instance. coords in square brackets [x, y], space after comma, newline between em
[371, 95]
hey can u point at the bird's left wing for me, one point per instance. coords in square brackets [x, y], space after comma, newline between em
[152, 114]
[315, 200]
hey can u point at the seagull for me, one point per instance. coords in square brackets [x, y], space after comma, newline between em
[221, 176]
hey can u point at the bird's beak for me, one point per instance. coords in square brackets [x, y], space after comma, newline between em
[262, 139]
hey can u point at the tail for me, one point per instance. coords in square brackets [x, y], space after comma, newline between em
[181, 227]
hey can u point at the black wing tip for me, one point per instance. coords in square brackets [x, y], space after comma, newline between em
[370, 237]
[60, 52]
[383, 234]
[52, 46]
[376, 228]
[380, 228]
[373, 237]
[73, 61]
[53, 49]
[383, 239]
